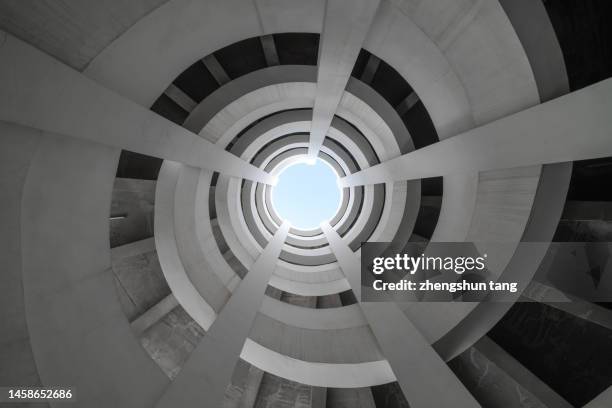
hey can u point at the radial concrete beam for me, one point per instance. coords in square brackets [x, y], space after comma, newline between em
[419, 370]
[41, 92]
[206, 374]
[603, 400]
[519, 373]
[576, 126]
[345, 27]
[573, 305]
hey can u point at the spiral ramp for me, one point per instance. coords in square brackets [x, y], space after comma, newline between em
[145, 263]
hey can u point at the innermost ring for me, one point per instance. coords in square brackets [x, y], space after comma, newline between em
[307, 195]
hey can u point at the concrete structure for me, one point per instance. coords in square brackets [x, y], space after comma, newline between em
[144, 264]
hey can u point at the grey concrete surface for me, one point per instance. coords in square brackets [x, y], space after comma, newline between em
[549, 129]
[154, 314]
[602, 400]
[169, 257]
[276, 391]
[350, 397]
[338, 345]
[140, 283]
[490, 384]
[17, 365]
[58, 253]
[135, 66]
[208, 371]
[413, 353]
[205, 275]
[171, 340]
[514, 369]
[48, 95]
[74, 318]
[75, 32]
[334, 317]
[344, 30]
[132, 205]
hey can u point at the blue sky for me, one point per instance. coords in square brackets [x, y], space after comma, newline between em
[306, 194]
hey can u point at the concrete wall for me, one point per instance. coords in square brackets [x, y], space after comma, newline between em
[70, 305]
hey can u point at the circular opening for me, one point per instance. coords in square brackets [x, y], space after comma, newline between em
[306, 194]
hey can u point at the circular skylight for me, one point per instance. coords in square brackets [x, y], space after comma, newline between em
[307, 195]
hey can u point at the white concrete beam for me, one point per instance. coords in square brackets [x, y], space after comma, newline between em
[576, 126]
[40, 92]
[418, 368]
[345, 27]
[203, 379]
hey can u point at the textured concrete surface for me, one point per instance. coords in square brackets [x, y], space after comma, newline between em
[140, 283]
[73, 32]
[63, 94]
[74, 317]
[277, 392]
[210, 369]
[469, 67]
[344, 29]
[132, 203]
[350, 398]
[389, 396]
[299, 300]
[171, 340]
[17, 365]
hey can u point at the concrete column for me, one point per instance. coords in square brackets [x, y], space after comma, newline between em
[345, 27]
[40, 92]
[576, 126]
[419, 370]
[206, 374]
